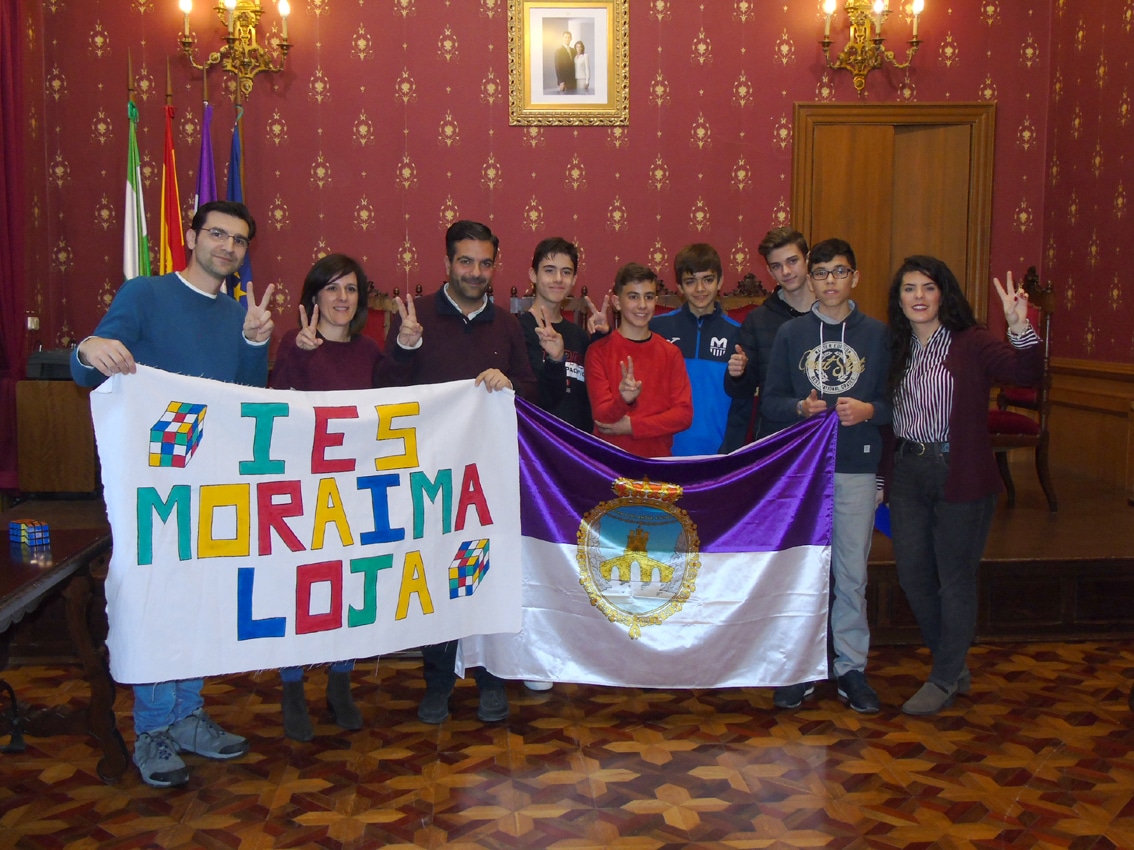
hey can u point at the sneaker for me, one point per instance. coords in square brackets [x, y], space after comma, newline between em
[792, 696]
[155, 753]
[537, 686]
[493, 702]
[858, 694]
[930, 699]
[434, 707]
[198, 734]
[965, 682]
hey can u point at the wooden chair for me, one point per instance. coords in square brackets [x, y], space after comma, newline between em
[1011, 429]
[574, 307]
[748, 294]
[383, 308]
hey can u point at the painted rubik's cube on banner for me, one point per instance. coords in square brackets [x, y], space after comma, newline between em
[468, 568]
[29, 532]
[175, 437]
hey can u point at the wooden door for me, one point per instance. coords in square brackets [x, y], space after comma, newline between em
[894, 181]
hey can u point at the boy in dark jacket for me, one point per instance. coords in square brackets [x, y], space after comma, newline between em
[785, 252]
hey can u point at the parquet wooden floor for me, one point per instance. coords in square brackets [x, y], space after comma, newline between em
[1039, 755]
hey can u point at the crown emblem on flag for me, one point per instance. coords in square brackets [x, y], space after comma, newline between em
[639, 554]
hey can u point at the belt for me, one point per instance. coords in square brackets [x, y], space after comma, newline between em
[913, 447]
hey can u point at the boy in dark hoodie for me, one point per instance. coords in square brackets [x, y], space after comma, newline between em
[785, 253]
[837, 357]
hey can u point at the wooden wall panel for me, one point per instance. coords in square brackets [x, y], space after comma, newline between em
[1091, 421]
[55, 435]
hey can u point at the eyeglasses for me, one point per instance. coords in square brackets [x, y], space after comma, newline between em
[838, 273]
[224, 236]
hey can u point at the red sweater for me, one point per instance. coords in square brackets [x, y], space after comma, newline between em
[665, 404]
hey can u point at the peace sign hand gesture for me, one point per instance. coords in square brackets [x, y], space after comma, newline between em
[628, 387]
[308, 338]
[597, 321]
[258, 322]
[1015, 305]
[550, 340]
[409, 334]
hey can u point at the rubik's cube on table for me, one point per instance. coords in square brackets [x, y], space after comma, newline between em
[29, 532]
[175, 437]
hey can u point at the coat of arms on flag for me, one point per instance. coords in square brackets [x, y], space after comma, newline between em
[639, 554]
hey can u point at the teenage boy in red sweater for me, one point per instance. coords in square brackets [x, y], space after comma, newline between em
[639, 390]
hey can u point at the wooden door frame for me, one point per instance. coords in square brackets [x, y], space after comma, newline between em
[981, 120]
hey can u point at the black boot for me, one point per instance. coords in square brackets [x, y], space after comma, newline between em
[296, 723]
[341, 702]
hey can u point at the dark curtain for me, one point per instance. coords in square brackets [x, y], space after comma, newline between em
[12, 121]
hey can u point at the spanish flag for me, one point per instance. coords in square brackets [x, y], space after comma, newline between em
[171, 252]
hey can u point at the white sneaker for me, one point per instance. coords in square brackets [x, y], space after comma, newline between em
[537, 686]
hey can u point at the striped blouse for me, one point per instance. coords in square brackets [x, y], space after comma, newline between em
[924, 399]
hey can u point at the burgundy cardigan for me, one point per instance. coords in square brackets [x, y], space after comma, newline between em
[977, 360]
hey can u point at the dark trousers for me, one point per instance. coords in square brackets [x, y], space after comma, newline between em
[438, 662]
[937, 548]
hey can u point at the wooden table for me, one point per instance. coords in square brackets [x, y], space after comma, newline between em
[25, 583]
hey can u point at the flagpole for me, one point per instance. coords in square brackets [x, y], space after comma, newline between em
[240, 127]
[171, 248]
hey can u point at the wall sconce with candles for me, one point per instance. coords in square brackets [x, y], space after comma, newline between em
[864, 51]
[242, 54]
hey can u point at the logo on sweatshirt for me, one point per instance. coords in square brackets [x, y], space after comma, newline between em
[718, 346]
[832, 367]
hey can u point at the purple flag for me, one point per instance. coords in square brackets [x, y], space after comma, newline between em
[206, 173]
[706, 572]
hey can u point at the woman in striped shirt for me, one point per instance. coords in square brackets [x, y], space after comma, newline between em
[945, 480]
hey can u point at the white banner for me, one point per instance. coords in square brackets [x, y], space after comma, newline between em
[256, 528]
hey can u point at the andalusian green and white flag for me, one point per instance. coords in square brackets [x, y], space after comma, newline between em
[135, 241]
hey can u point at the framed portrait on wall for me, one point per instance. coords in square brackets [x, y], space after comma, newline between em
[568, 62]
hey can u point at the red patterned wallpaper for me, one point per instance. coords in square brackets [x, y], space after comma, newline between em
[391, 119]
[1090, 171]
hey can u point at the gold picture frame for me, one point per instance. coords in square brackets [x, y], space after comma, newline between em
[551, 82]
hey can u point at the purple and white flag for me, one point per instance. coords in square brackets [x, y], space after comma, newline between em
[707, 572]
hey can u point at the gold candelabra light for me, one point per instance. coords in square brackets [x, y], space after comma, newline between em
[864, 51]
[242, 54]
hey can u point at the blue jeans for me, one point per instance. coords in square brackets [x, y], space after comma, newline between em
[295, 674]
[162, 704]
[938, 545]
[851, 532]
